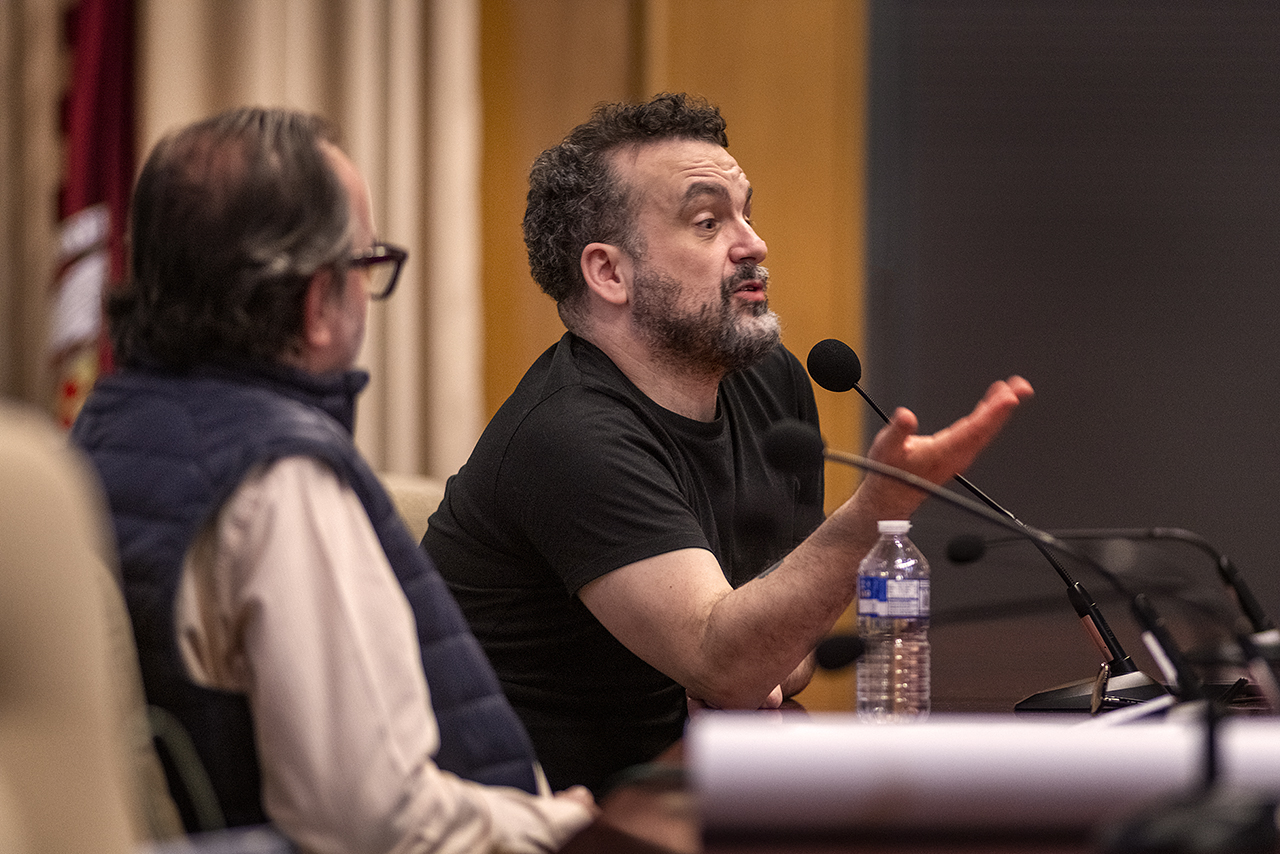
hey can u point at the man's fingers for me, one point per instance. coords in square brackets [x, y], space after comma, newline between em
[1021, 387]
[1007, 393]
[902, 426]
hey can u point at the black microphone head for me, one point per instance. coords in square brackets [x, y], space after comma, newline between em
[966, 548]
[833, 365]
[839, 651]
[792, 446]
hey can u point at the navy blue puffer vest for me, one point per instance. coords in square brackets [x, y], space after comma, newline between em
[170, 450]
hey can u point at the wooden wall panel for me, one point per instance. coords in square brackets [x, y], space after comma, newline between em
[790, 78]
[544, 66]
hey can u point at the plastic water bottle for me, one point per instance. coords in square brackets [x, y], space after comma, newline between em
[893, 622]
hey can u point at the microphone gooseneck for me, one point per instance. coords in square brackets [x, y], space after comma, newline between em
[833, 365]
[1234, 821]
[966, 548]
[1260, 622]
[790, 445]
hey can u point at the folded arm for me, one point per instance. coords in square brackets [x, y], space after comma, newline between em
[290, 600]
[734, 648]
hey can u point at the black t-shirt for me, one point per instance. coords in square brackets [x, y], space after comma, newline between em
[578, 474]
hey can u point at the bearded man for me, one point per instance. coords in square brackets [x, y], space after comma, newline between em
[595, 539]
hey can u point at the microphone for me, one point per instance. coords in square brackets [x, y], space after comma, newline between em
[839, 651]
[834, 366]
[1263, 627]
[1223, 821]
[793, 446]
[1259, 647]
[966, 548]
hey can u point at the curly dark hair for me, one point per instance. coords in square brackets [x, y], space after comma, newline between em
[575, 199]
[231, 218]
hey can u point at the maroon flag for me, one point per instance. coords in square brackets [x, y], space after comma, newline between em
[98, 173]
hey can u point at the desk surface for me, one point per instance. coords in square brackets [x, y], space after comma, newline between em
[658, 816]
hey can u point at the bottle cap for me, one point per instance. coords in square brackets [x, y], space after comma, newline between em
[894, 526]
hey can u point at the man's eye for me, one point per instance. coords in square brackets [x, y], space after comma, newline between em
[708, 224]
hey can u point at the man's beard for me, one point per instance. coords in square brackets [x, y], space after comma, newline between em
[716, 339]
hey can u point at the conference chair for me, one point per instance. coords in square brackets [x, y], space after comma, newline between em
[415, 496]
[76, 767]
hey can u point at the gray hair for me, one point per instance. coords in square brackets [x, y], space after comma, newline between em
[231, 218]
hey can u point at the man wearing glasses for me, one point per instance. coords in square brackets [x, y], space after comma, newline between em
[283, 613]
[596, 536]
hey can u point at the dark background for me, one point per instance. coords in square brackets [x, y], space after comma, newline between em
[1087, 194]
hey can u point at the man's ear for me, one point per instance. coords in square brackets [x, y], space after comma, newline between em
[318, 311]
[607, 271]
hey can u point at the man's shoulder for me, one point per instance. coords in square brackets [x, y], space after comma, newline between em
[572, 380]
[196, 419]
[573, 421]
[572, 362]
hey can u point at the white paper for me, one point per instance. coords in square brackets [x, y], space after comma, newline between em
[820, 771]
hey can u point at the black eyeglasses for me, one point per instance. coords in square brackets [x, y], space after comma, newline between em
[382, 265]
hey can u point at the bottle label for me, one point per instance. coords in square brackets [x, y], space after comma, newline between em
[893, 597]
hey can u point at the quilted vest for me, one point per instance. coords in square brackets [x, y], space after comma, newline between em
[170, 450]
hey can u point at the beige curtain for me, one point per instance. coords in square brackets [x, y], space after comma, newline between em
[30, 77]
[400, 78]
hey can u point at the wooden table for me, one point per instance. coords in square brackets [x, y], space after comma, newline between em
[659, 816]
[977, 669]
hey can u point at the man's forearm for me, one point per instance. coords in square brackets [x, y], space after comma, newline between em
[799, 678]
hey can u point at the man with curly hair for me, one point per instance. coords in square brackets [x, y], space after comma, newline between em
[608, 539]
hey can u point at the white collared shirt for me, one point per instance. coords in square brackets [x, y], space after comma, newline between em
[289, 599]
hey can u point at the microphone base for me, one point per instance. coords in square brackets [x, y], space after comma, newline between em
[1126, 689]
[1203, 823]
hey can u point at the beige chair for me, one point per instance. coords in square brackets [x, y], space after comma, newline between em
[77, 768]
[415, 496]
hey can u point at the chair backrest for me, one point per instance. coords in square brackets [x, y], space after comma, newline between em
[416, 497]
[71, 716]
